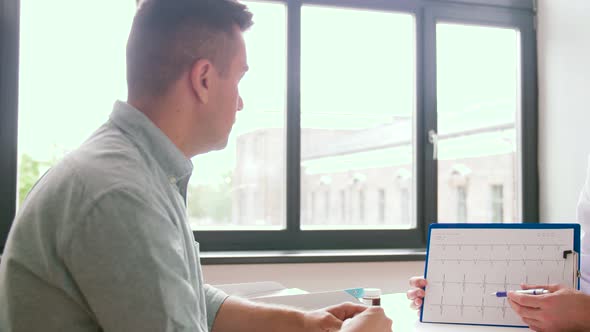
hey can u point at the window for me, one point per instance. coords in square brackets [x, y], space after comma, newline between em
[478, 89]
[345, 107]
[64, 96]
[497, 203]
[253, 158]
[362, 127]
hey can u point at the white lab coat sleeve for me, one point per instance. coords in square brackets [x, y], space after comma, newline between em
[583, 216]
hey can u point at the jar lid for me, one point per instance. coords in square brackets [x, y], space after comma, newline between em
[371, 292]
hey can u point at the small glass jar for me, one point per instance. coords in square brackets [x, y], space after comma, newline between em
[371, 296]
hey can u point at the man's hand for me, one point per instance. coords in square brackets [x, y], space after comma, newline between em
[416, 294]
[371, 320]
[330, 319]
[564, 309]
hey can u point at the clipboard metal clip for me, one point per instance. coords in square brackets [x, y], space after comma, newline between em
[576, 275]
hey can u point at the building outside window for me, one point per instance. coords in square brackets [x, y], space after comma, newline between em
[382, 205]
[461, 204]
[497, 203]
[327, 205]
[405, 206]
[361, 205]
[312, 207]
[343, 206]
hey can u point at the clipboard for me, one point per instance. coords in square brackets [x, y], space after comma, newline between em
[465, 263]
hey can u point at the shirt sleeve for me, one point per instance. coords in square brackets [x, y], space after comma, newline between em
[128, 261]
[214, 299]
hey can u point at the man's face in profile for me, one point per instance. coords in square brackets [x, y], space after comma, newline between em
[226, 99]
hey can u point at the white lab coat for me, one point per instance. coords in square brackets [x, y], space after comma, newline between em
[583, 216]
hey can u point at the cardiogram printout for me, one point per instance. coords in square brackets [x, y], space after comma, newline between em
[465, 265]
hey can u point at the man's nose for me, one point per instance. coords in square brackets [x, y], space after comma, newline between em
[240, 104]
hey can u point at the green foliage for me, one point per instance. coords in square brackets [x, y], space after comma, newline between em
[28, 173]
[211, 201]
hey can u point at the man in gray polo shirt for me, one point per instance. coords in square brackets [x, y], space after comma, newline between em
[102, 241]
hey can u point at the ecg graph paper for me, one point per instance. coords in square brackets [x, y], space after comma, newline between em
[466, 265]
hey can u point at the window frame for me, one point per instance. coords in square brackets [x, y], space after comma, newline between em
[515, 18]
[506, 13]
[9, 56]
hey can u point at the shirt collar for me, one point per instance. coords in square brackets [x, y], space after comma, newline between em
[151, 139]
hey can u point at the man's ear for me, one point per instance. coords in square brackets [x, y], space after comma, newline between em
[201, 76]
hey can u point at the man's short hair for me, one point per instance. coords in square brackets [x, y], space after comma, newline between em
[168, 36]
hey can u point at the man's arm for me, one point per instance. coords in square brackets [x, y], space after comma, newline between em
[245, 316]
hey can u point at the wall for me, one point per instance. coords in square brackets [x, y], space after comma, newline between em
[564, 112]
[389, 276]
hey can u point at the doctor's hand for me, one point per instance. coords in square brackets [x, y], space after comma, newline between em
[564, 309]
[416, 294]
[371, 320]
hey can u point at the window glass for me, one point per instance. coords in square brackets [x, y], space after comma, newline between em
[357, 113]
[478, 100]
[71, 71]
[243, 186]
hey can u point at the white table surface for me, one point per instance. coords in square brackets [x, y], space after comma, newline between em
[397, 307]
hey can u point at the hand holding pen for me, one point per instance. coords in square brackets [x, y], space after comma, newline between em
[562, 309]
[534, 291]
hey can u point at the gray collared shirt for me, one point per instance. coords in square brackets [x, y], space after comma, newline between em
[102, 241]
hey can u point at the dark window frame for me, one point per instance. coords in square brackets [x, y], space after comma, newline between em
[493, 16]
[508, 13]
[9, 56]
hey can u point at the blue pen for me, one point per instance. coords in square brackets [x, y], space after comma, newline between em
[536, 291]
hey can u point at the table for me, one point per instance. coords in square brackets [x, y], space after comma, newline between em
[396, 306]
[405, 319]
